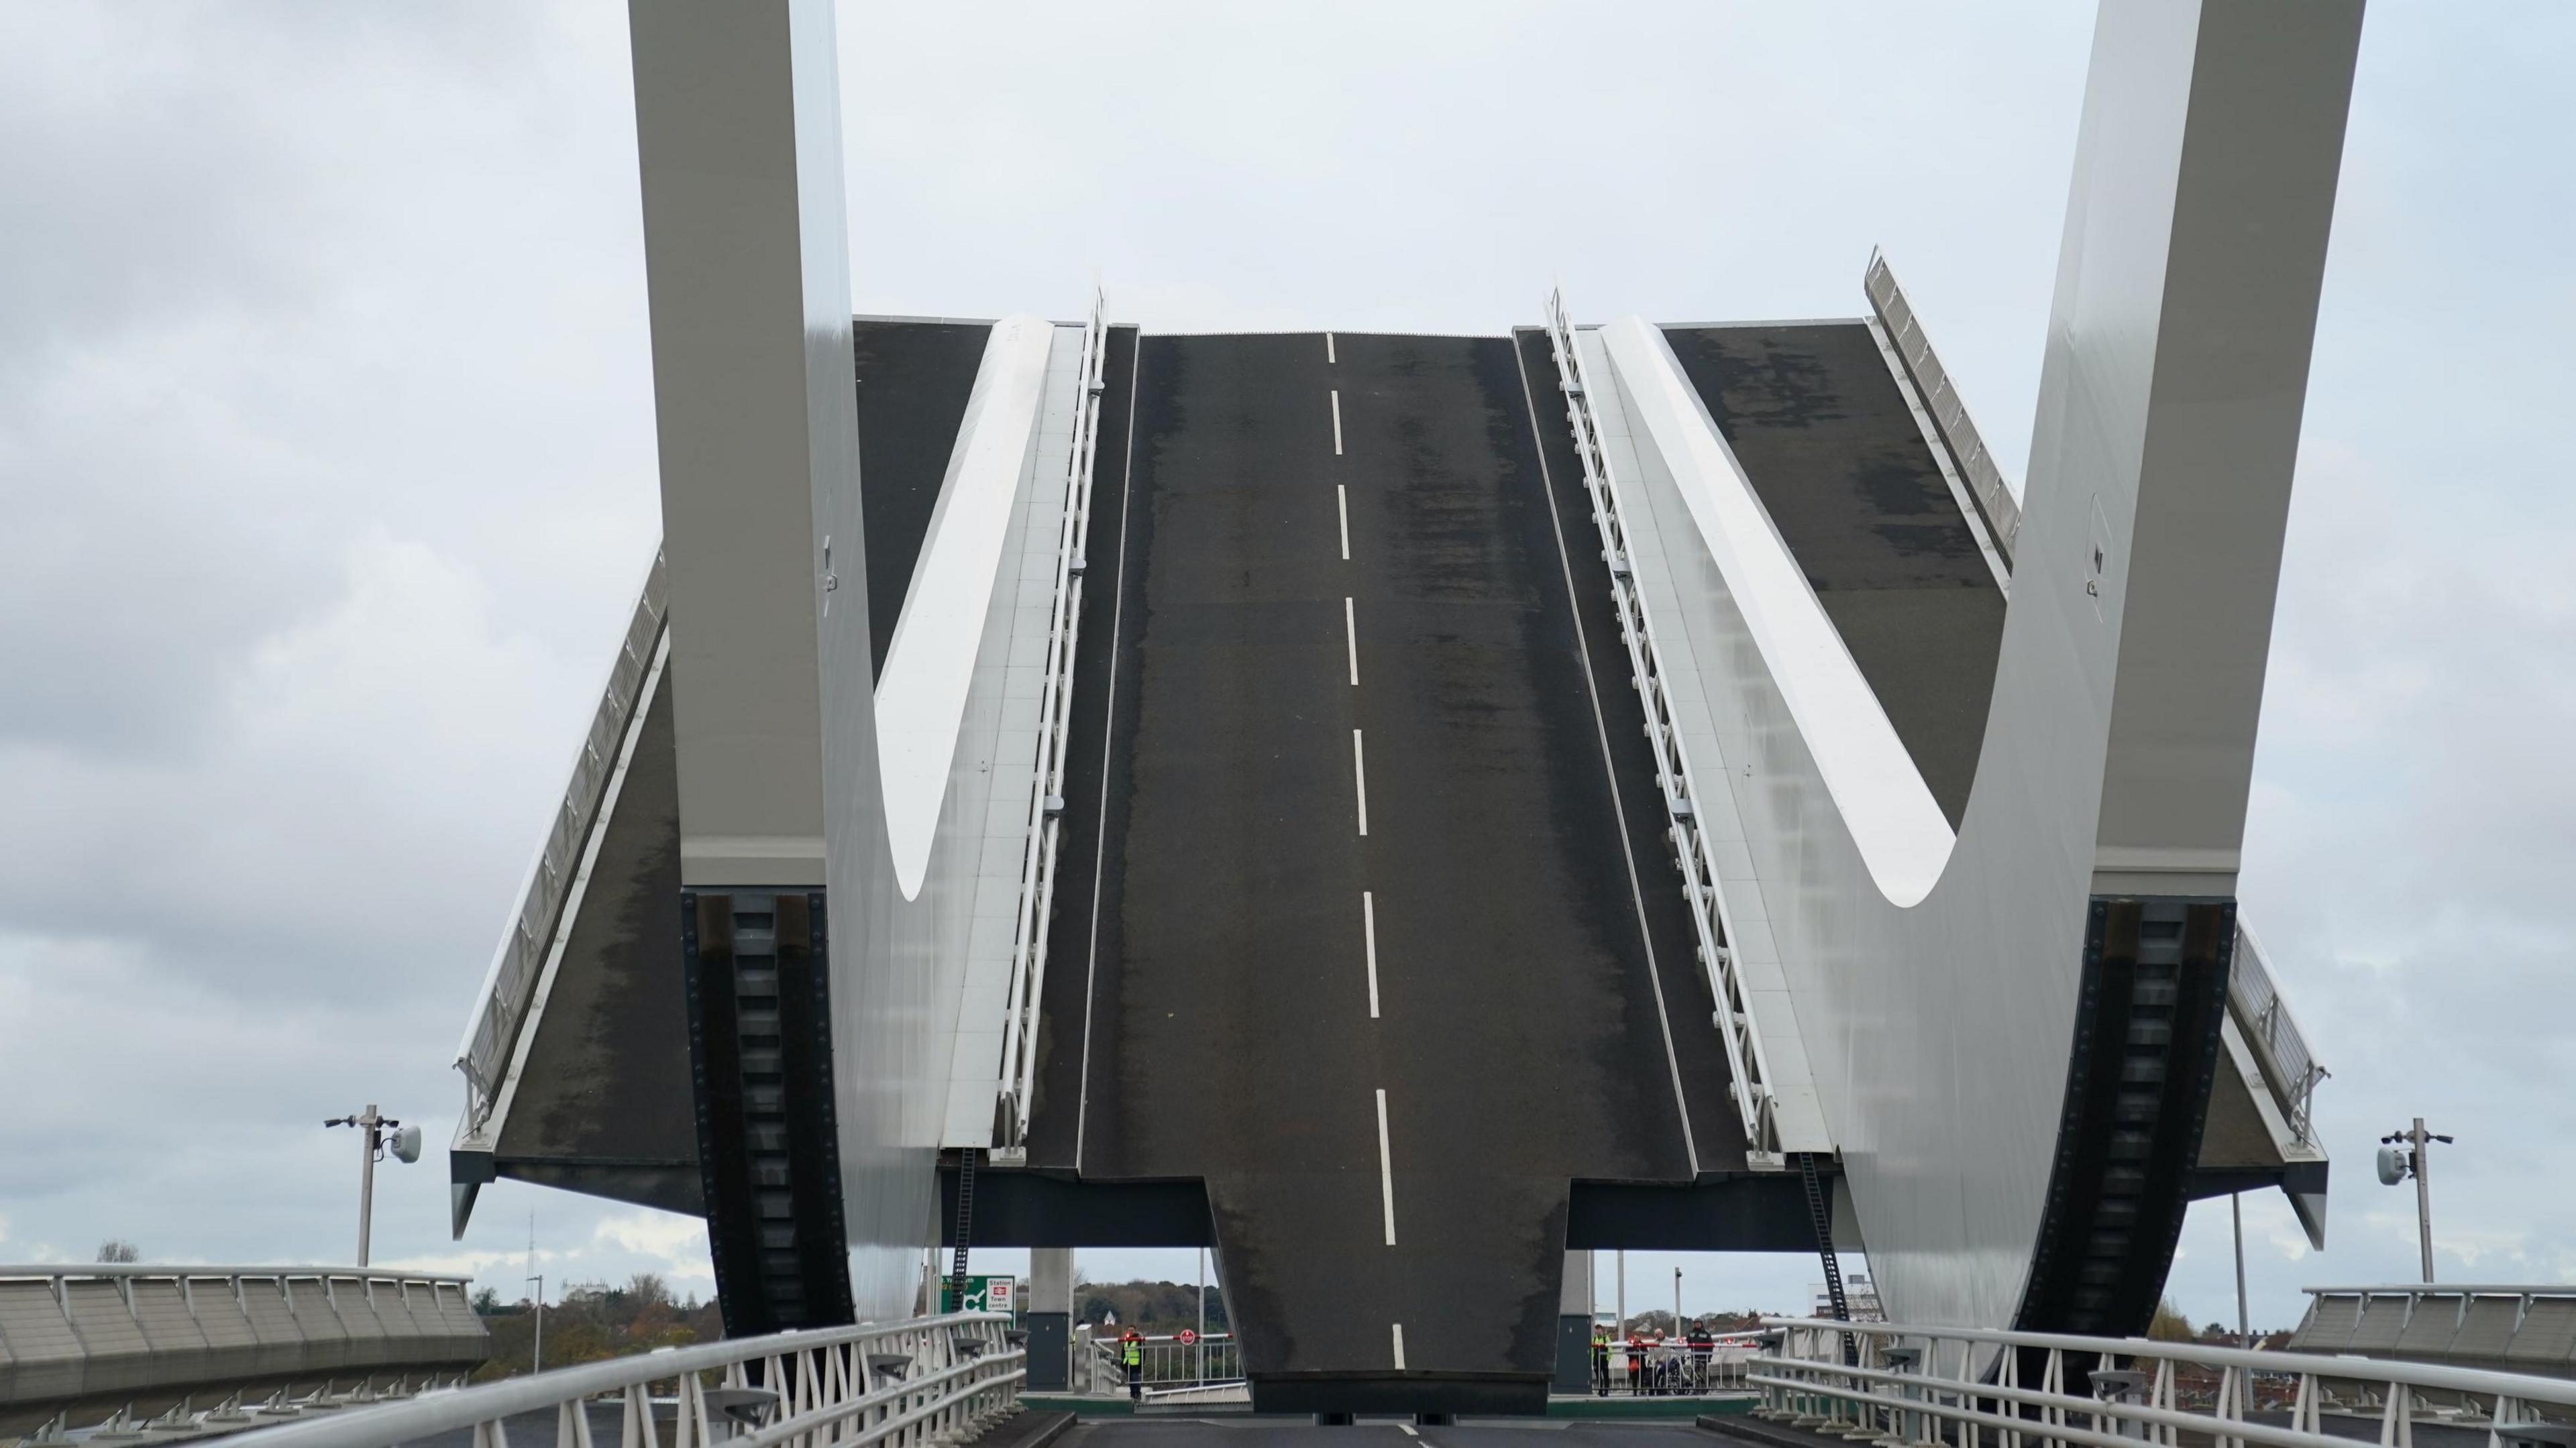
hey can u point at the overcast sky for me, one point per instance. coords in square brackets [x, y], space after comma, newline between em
[327, 475]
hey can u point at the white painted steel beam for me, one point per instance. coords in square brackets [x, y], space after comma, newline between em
[1934, 980]
[737, 122]
[906, 799]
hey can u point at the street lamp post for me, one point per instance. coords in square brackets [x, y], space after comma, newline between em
[2236, 1213]
[2406, 1153]
[1623, 1294]
[405, 1141]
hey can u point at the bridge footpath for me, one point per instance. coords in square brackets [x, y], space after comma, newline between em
[1369, 956]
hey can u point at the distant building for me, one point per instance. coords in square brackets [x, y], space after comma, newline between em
[1857, 1292]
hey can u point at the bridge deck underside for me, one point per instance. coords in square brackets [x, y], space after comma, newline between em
[1532, 1026]
[1826, 439]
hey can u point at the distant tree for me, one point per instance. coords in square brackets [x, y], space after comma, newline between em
[487, 1302]
[117, 1249]
[1155, 1308]
[593, 1321]
[2169, 1324]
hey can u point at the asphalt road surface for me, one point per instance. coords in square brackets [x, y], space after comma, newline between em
[1370, 955]
[1827, 441]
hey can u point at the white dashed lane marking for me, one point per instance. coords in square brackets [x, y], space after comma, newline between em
[1359, 775]
[1386, 1190]
[1368, 933]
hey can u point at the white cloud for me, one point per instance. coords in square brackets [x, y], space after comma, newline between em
[678, 1243]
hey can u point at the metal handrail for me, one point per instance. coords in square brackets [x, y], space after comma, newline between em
[2101, 1392]
[2263, 1014]
[1166, 1362]
[56, 1270]
[1748, 1066]
[939, 1375]
[2448, 1289]
[1046, 793]
[1993, 497]
[492, 1035]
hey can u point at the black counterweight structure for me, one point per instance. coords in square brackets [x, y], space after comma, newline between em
[2144, 1057]
[760, 1055]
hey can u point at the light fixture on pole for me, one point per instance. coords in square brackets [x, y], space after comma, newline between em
[2403, 1154]
[383, 1134]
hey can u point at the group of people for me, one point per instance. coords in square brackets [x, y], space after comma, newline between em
[1655, 1365]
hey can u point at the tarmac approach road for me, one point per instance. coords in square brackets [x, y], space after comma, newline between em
[1370, 956]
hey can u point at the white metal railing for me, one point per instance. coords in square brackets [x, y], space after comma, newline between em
[928, 1379]
[1748, 1066]
[1671, 1369]
[1166, 1365]
[2263, 1014]
[1972, 1388]
[493, 1033]
[1949, 411]
[1046, 794]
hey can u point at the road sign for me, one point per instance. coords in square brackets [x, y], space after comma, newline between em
[1188, 1336]
[985, 1294]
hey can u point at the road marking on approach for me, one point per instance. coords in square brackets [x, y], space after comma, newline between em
[1342, 501]
[1329, 359]
[1399, 1364]
[1368, 931]
[1337, 422]
[1386, 1190]
[1359, 773]
[1351, 636]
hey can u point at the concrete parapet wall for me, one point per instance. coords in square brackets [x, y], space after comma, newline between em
[2529, 1328]
[97, 1337]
